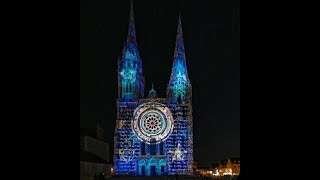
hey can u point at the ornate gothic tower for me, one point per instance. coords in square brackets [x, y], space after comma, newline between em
[179, 88]
[130, 90]
[179, 92]
[130, 79]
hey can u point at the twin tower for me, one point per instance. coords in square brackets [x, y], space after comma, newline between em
[153, 136]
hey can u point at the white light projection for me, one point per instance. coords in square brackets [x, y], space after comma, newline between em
[127, 154]
[152, 121]
[178, 153]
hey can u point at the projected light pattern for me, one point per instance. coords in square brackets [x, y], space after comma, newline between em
[130, 78]
[179, 81]
[153, 136]
[152, 121]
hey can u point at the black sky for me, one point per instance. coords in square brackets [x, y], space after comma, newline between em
[212, 40]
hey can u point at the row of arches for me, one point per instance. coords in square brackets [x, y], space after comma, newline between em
[152, 167]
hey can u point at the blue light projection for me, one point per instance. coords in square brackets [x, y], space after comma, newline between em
[153, 167]
[130, 67]
[179, 81]
[152, 122]
[153, 136]
[130, 89]
[129, 76]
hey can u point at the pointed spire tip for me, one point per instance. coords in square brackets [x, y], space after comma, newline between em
[132, 28]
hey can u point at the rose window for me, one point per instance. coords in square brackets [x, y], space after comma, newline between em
[152, 121]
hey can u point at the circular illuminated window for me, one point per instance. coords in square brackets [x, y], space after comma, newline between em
[152, 121]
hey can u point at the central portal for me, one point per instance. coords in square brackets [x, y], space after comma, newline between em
[152, 167]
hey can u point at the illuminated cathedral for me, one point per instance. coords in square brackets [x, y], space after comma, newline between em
[153, 136]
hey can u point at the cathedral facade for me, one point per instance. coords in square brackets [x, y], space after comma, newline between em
[153, 136]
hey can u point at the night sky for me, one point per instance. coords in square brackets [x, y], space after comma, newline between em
[212, 41]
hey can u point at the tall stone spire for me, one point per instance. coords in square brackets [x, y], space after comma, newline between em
[179, 80]
[179, 41]
[179, 61]
[131, 81]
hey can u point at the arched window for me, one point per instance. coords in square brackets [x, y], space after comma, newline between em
[163, 167]
[142, 167]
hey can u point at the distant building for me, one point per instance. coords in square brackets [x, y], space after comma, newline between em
[215, 169]
[204, 171]
[229, 167]
[94, 154]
